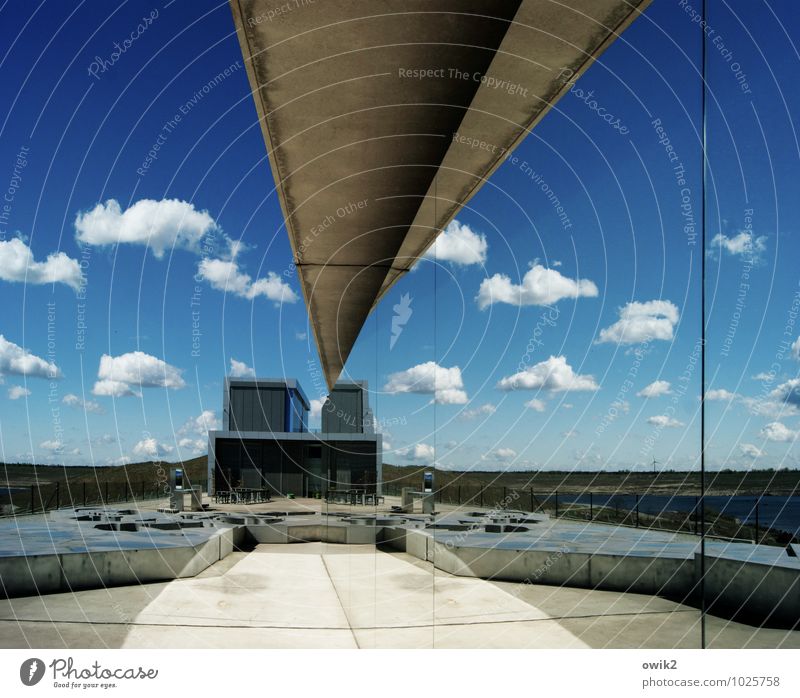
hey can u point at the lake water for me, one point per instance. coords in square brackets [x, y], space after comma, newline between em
[778, 512]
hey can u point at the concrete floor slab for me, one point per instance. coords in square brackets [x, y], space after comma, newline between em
[321, 595]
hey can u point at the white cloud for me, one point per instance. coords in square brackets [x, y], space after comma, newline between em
[776, 431]
[501, 454]
[570, 433]
[639, 322]
[536, 405]
[200, 426]
[72, 400]
[482, 411]
[721, 395]
[150, 448]
[743, 244]
[315, 411]
[160, 225]
[17, 264]
[15, 392]
[119, 375]
[788, 394]
[52, 445]
[225, 275]
[655, 389]
[239, 369]
[540, 286]
[764, 377]
[459, 244]
[193, 445]
[751, 450]
[420, 452]
[796, 349]
[554, 375]
[766, 407]
[445, 384]
[301, 336]
[14, 360]
[663, 421]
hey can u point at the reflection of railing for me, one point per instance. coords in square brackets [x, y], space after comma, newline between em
[353, 496]
[42, 497]
[243, 495]
[767, 520]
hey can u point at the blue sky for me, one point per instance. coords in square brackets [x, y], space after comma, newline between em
[578, 250]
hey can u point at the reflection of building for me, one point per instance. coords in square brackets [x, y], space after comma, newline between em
[265, 441]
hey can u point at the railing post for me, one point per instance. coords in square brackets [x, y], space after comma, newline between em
[696, 504]
[637, 511]
[757, 536]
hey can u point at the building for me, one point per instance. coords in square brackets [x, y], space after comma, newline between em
[265, 442]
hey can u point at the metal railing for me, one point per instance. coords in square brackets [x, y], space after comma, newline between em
[42, 497]
[757, 519]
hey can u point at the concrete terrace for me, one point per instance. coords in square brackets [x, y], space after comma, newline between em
[324, 594]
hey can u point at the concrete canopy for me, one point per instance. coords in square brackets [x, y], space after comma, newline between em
[370, 113]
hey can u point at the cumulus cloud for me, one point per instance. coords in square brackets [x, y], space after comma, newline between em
[118, 376]
[501, 454]
[18, 264]
[639, 322]
[721, 395]
[459, 244]
[796, 349]
[200, 426]
[536, 405]
[315, 411]
[159, 225]
[482, 411]
[540, 286]
[52, 445]
[776, 431]
[420, 452]
[445, 384]
[15, 392]
[72, 400]
[193, 445]
[16, 361]
[554, 375]
[744, 244]
[662, 421]
[750, 450]
[225, 275]
[788, 393]
[655, 389]
[150, 448]
[239, 369]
